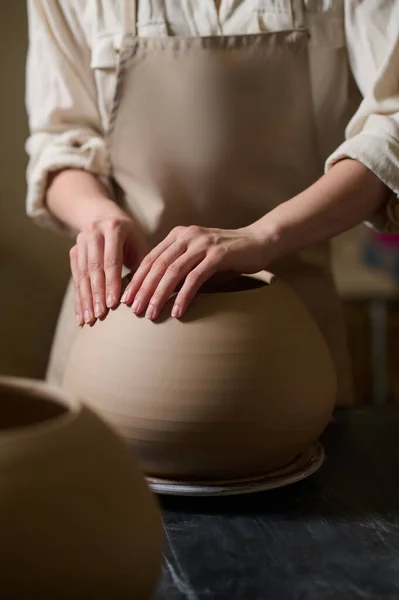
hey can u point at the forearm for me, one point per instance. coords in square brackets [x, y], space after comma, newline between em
[347, 195]
[78, 198]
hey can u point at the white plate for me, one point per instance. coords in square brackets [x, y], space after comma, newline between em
[302, 467]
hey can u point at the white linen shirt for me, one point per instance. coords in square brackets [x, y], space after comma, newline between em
[73, 56]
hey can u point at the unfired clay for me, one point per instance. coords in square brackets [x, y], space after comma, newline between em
[239, 386]
[76, 517]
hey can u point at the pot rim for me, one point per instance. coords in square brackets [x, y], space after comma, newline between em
[264, 276]
[36, 388]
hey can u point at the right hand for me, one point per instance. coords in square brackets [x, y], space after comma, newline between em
[97, 259]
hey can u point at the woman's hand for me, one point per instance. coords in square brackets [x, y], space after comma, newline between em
[190, 256]
[97, 259]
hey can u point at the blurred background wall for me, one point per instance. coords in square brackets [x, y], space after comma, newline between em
[33, 262]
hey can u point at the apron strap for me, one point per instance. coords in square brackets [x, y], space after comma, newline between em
[130, 16]
[298, 14]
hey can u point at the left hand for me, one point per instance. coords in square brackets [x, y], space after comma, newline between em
[189, 256]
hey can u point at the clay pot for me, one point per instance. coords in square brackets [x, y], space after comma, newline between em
[76, 517]
[238, 387]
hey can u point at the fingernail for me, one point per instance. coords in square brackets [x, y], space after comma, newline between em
[176, 312]
[110, 300]
[97, 309]
[87, 316]
[78, 318]
[150, 314]
[124, 297]
[136, 306]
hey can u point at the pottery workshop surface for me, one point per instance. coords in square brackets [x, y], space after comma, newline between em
[331, 537]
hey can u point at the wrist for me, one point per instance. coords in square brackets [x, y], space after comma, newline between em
[78, 198]
[104, 209]
[268, 235]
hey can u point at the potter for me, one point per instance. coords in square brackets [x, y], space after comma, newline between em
[183, 140]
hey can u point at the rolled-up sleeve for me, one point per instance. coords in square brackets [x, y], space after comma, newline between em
[64, 121]
[372, 136]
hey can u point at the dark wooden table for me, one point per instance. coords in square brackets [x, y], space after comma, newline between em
[334, 536]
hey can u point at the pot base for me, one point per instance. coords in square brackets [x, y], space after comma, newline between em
[305, 465]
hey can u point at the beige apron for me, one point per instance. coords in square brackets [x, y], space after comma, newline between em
[216, 132]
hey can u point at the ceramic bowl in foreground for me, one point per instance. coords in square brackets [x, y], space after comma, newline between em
[77, 519]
